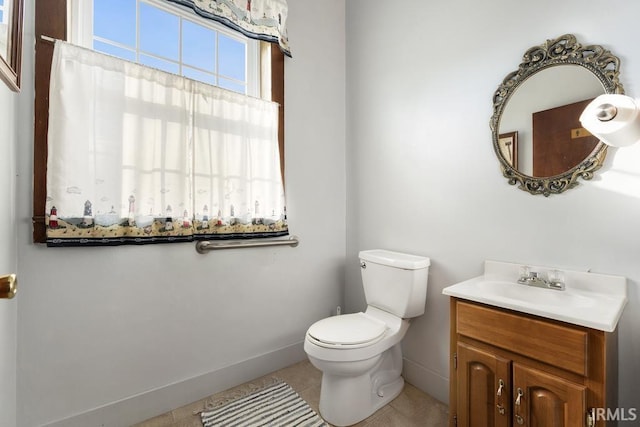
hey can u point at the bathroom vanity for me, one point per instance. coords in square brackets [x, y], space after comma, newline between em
[530, 356]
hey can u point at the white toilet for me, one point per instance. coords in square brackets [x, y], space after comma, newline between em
[359, 354]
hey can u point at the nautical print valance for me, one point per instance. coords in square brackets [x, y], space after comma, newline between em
[137, 155]
[258, 19]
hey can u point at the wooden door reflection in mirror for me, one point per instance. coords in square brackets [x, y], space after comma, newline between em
[560, 143]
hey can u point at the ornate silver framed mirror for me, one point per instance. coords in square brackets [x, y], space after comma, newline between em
[537, 136]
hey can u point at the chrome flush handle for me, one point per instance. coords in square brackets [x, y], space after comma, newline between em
[363, 264]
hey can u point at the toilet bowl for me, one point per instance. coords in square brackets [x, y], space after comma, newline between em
[360, 354]
[362, 374]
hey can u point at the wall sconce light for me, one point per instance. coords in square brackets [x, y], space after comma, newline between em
[614, 119]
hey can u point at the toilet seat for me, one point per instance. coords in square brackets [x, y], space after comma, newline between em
[347, 331]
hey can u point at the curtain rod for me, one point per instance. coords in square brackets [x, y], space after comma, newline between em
[47, 38]
[206, 245]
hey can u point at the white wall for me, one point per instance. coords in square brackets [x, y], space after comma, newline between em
[423, 177]
[101, 325]
[8, 259]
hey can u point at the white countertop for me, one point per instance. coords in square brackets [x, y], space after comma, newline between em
[589, 299]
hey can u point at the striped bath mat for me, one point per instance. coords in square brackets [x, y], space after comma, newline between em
[274, 406]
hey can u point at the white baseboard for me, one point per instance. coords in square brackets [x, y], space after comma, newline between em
[147, 405]
[426, 380]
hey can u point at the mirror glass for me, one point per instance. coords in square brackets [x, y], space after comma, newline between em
[537, 136]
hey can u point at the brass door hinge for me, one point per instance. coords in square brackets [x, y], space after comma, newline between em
[455, 360]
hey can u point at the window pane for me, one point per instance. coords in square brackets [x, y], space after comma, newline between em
[159, 32]
[231, 85]
[160, 64]
[198, 46]
[231, 57]
[170, 41]
[115, 20]
[114, 50]
[199, 75]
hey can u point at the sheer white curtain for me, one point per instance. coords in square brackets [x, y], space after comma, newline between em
[236, 162]
[138, 155]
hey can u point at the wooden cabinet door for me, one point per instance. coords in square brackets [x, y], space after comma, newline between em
[544, 400]
[484, 388]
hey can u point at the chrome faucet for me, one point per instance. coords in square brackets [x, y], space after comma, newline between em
[532, 278]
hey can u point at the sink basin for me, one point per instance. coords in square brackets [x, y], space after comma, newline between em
[532, 295]
[589, 299]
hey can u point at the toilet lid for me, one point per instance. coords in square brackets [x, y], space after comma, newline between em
[353, 330]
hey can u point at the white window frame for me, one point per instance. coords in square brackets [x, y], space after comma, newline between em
[80, 32]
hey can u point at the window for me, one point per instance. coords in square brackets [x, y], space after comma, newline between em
[52, 19]
[168, 37]
[4, 27]
[11, 42]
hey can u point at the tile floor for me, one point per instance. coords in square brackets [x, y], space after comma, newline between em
[412, 408]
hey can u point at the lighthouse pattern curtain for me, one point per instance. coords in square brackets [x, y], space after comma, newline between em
[259, 19]
[137, 155]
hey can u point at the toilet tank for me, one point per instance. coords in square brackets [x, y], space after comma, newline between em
[395, 282]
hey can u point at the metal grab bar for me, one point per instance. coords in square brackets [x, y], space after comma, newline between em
[206, 245]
